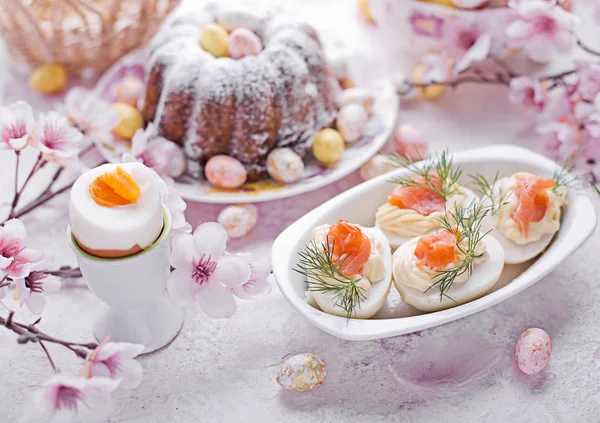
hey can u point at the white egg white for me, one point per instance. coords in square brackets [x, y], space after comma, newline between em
[397, 240]
[375, 296]
[483, 278]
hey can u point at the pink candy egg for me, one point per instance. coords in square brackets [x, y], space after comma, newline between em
[410, 142]
[378, 165]
[533, 350]
[243, 42]
[128, 90]
[225, 172]
[352, 122]
[238, 219]
[284, 165]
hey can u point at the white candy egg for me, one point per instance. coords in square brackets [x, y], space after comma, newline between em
[356, 96]
[352, 122]
[232, 19]
[533, 350]
[284, 165]
[483, 278]
[238, 219]
[373, 297]
[378, 165]
[302, 372]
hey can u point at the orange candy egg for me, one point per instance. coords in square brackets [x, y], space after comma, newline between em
[225, 172]
[112, 189]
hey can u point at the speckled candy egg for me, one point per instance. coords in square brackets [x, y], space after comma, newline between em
[225, 172]
[131, 120]
[234, 19]
[352, 122]
[328, 146]
[302, 372]
[49, 79]
[243, 42]
[214, 39]
[128, 90]
[378, 165]
[238, 219]
[533, 350]
[356, 96]
[410, 142]
[284, 165]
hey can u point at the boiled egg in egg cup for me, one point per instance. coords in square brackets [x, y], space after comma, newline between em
[348, 270]
[120, 230]
[525, 215]
[456, 264]
[421, 199]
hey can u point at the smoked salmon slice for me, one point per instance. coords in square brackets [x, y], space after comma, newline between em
[421, 199]
[532, 200]
[437, 251]
[351, 247]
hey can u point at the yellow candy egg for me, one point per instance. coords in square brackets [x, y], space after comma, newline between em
[302, 372]
[214, 39]
[430, 92]
[49, 79]
[347, 83]
[365, 11]
[328, 146]
[131, 120]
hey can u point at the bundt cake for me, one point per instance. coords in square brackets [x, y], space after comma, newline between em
[242, 108]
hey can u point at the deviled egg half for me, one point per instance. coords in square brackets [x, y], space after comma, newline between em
[456, 264]
[421, 198]
[348, 270]
[525, 214]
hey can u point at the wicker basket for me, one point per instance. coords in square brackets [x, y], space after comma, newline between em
[79, 34]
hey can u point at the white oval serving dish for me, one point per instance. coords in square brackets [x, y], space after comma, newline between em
[359, 204]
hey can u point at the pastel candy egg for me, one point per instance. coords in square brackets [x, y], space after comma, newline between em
[243, 42]
[378, 165]
[352, 122]
[131, 120]
[238, 219]
[284, 165]
[214, 39]
[302, 372]
[346, 82]
[234, 19]
[225, 172]
[533, 350]
[328, 146]
[356, 96]
[49, 79]
[128, 90]
[410, 142]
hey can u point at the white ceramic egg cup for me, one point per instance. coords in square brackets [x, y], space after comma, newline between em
[359, 205]
[134, 288]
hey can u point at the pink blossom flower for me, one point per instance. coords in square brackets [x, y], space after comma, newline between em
[66, 398]
[158, 153]
[565, 131]
[16, 261]
[203, 273]
[427, 25]
[592, 125]
[115, 360]
[466, 43]
[32, 290]
[173, 201]
[258, 283]
[588, 80]
[16, 126]
[436, 68]
[89, 113]
[542, 29]
[56, 138]
[528, 92]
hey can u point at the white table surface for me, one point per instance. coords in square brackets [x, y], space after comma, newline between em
[224, 370]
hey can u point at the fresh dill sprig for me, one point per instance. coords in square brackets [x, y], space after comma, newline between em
[564, 177]
[323, 275]
[495, 197]
[436, 173]
[466, 223]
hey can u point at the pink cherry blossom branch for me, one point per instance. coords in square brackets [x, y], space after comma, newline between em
[40, 162]
[587, 48]
[66, 272]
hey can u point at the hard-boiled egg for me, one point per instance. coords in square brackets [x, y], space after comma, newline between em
[485, 275]
[517, 248]
[375, 291]
[400, 226]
